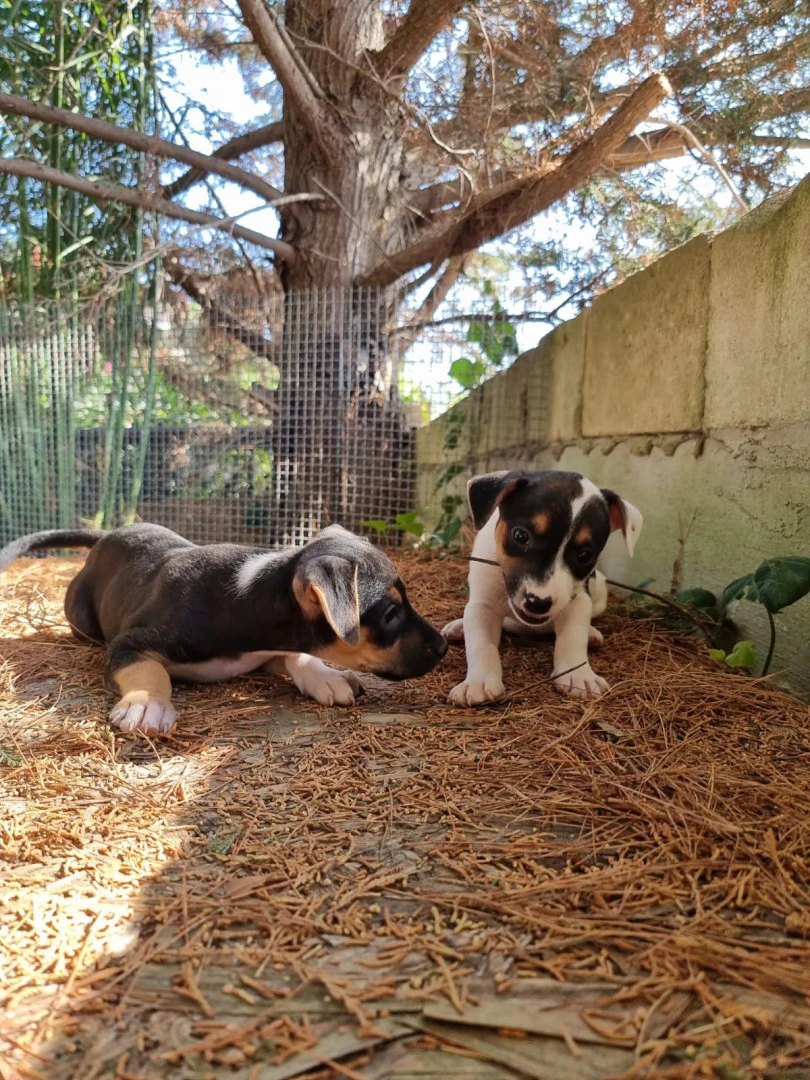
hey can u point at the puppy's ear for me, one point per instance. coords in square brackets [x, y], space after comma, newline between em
[486, 492]
[624, 516]
[329, 584]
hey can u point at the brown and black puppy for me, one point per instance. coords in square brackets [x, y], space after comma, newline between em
[168, 608]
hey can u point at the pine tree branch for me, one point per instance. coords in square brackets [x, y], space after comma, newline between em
[219, 316]
[508, 205]
[423, 21]
[106, 192]
[233, 148]
[666, 143]
[149, 144]
[300, 89]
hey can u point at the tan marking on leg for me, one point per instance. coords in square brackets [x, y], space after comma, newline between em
[541, 522]
[147, 677]
[145, 692]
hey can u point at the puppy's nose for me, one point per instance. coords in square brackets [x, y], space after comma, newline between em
[536, 605]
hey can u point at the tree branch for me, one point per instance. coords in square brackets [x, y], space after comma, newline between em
[218, 316]
[423, 21]
[149, 144]
[292, 73]
[233, 148]
[425, 200]
[508, 205]
[106, 192]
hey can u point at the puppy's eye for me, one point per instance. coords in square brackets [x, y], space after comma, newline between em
[390, 615]
[520, 536]
[585, 556]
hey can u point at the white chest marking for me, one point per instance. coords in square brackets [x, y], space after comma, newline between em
[222, 667]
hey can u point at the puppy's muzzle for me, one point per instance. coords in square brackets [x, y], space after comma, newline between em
[532, 610]
[536, 605]
[420, 650]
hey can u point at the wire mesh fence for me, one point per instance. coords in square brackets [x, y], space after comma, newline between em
[252, 418]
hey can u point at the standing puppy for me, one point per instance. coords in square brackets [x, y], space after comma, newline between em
[167, 608]
[539, 537]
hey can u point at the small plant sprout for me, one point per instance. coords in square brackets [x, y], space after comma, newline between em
[776, 584]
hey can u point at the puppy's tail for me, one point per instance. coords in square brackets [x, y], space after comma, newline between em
[52, 538]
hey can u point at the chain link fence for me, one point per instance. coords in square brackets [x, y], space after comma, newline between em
[251, 418]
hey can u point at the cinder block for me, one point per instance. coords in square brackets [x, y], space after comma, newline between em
[758, 362]
[503, 416]
[645, 348]
[448, 438]
[566, 368]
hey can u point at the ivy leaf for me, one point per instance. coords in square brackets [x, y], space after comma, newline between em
[718, 655]
[410, 523]
[467, 372]
[743, 655]
[781, 582]
[777, 584]
[701, 599]
[379, 525]
[737, 590]
[445, 537]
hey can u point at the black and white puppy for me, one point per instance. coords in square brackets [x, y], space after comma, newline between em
[167, 608]
[543, 532]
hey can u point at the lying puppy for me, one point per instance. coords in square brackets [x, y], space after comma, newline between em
[166, 607]
[543, 532]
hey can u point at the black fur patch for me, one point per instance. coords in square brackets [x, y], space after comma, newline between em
[542, 509]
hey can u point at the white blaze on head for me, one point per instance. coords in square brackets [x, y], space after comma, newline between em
[560, 586]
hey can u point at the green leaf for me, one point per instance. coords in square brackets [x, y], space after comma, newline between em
[776, 584]
[737, 590]
[697, 598]
[379, 525]
[743, 655]
[410, 523]
[781, 582]
[445, 537]
[717, 654]
[468, 373]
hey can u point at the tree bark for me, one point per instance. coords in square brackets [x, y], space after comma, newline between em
[342, 440]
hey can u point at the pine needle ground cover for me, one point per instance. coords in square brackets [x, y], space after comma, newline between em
[542, 888]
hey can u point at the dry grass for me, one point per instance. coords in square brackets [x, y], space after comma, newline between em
[656, 840]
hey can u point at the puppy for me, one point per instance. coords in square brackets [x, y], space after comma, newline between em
[540, 536]
[167, 608]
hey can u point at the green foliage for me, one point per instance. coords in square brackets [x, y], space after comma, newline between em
[743, 656]
[94, 57]
[776, 584]
[411, 523]
[494, 340]
[468, 373]
[377, 525]
[701, 599]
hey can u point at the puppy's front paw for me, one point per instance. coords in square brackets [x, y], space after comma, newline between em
[477, 691]
[584, 682]
[331, 687]
[139, 711]
[454, 631]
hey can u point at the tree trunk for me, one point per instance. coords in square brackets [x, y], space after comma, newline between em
[343, 447]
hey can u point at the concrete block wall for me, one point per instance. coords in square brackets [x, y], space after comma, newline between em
[687, 389]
